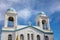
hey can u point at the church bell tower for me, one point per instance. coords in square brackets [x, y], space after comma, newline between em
[42, 21]
[10, 18]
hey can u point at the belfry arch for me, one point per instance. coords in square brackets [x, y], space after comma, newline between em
[10, 21]
[44, 24]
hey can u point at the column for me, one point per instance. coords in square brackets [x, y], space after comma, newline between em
[48, 25]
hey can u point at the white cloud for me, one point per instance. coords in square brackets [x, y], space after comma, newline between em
[3, 7]
[16, 1]
[1, 17]
[55, 7]
[24, 13]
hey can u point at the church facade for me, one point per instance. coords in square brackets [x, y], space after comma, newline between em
[41, 31]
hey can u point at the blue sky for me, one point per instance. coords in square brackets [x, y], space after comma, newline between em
[28, 10]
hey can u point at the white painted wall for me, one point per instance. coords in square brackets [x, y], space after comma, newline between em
[4, 35]
[25, 31]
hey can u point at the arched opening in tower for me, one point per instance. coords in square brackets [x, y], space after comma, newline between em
[10, 22]
[44, 24]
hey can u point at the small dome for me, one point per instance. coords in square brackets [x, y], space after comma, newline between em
[11, 9]
[42, 13]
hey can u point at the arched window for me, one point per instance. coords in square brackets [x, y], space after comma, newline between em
[38, 37]
[9, 37]
[10, 22]
[44, 24]
[21, 37]
[32, 37]
[46, 38]
[28, 36]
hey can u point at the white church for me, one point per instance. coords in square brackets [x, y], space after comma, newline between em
[41, 31]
